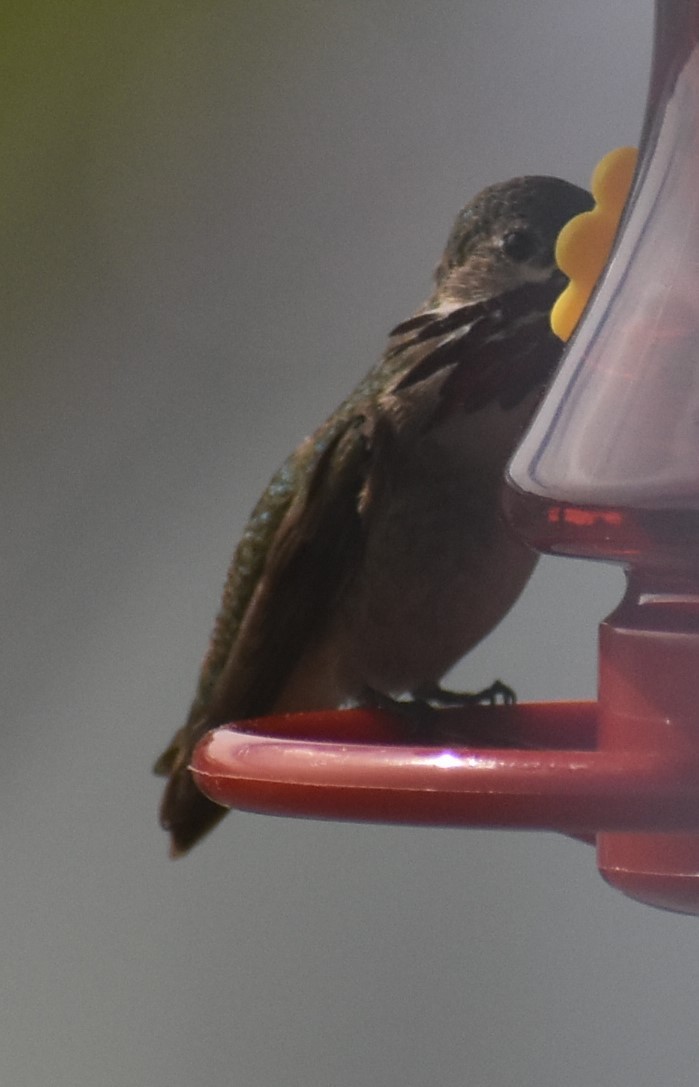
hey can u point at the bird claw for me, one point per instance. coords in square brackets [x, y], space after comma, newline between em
[497, 693]
[418, 712]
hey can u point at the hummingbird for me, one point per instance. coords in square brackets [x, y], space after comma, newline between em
[378, 556]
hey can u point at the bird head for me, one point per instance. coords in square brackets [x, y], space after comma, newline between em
[505, 238]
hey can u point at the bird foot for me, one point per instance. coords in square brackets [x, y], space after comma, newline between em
[497, 692]
[416, 713]
[419, 712]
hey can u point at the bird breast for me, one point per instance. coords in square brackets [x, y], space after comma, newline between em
[440, 567]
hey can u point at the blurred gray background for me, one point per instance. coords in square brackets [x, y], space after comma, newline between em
[212, 213]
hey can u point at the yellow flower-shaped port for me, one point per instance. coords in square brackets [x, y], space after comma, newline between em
[584, 244]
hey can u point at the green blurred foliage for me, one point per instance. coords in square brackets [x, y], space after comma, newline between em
[61, 61]
[70, 68]
[104, 108]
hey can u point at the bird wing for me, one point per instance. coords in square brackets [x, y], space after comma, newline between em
[310, 536]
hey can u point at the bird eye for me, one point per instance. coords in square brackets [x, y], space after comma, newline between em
[518, 245]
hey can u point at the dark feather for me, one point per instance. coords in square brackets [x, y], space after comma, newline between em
[447, 353]
[494, 374]
[508, 355]
[496, 350]
[412, 323]
[314, 551]
[434, 323]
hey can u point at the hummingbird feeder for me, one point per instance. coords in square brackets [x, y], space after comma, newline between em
[609, 470]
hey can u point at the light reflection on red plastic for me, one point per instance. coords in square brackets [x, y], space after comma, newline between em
[349, 765]
[574, 515]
